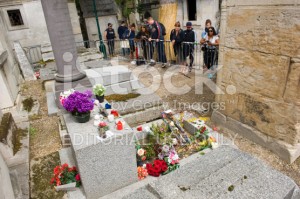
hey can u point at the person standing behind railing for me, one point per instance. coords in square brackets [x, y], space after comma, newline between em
[143, 36]
[189, 39]
[121, 30]
[210, 42]
[176, 38]
[109, 35]
[130, 35]
[157, 38]
[207, 25]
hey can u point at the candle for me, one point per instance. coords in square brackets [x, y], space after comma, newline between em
[96, 122]
[111, 118]
[97, 117]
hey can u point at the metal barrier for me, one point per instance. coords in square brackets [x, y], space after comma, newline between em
[186, 53]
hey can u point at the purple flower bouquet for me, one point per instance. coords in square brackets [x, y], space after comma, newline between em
[79, 103]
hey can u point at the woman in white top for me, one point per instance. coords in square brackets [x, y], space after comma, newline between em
[210, 42]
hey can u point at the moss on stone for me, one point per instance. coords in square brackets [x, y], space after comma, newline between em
[231, 188]
[18, 135]
[28, 104]
[42, 171]
[4, 126]
[121, 98]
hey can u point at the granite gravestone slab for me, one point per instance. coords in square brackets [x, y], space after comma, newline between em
[104, 165]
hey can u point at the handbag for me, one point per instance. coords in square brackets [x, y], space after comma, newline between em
[125, 43]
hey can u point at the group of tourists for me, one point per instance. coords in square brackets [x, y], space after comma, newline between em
[151, 36]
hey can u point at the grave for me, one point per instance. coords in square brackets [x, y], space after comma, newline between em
[105, 165]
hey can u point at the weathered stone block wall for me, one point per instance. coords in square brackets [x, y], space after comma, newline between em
[8, 133]
[260, 54]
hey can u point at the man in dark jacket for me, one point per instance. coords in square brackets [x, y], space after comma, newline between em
[156, 38]
[121, 32]
[189, 39]
[110, 36]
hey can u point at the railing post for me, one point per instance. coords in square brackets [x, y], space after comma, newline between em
[101, 46]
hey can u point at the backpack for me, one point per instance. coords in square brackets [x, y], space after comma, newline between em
[162, 27]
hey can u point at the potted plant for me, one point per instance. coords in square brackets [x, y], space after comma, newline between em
[103, 127]
[65, 178]
[80, 105]
[99, 91]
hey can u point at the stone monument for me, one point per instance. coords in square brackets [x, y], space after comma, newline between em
[64, 48]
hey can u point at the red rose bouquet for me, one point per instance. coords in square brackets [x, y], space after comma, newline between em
[158, 167]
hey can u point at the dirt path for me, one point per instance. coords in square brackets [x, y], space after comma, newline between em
[44, 144]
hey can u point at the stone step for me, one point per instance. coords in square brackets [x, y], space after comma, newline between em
[211, 175]
[97, 64]
[139, 103]
[66, 156]
[109, 75]
[140, 117]
[51, 104]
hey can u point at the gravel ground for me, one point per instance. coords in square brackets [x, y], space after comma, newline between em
[44, 144]
[44, 134]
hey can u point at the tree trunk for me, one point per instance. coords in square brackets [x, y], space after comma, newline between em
[167, 16]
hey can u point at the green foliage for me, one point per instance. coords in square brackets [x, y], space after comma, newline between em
[28, 104]
[170, 167]
[99, 90]
[160, 135]
[32, 131]
[150, 152]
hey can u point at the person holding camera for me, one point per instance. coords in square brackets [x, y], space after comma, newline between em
[176, 37]
[143, 36]
[210, 43]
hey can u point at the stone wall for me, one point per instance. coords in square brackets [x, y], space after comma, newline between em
[6, 189]
[35, 30]
[10, 77]
[260, 56]
[8, 133]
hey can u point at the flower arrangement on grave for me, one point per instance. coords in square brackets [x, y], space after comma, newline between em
[205, 140]
[99, 91]
[64, 95]
[158, 167]
[63, 174]
[141, 154]
[80, 105]
[142, 172]
[103, 127]
[170, 156]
